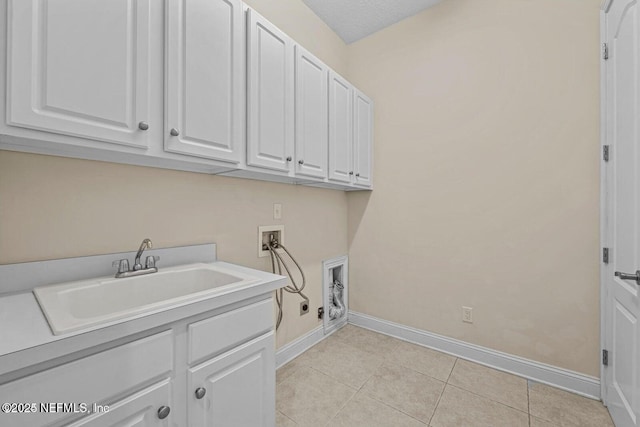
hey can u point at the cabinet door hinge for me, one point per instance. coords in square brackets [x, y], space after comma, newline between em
[605, 153]
[605, 51]
[605, 357]
[605, 255]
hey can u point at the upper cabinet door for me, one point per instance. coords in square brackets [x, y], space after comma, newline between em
[311, 115]
[362, 139]
[81, 67]
[205, 78]
[340, 129]
[270, 84]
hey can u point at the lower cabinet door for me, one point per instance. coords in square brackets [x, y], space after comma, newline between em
[236, 388]
[150, 407]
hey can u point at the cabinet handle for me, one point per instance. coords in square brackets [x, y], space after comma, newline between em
[163, 412]
[200, 392]
[301, 162]
[174, 132]
[357, 175]
[289, 159]
[351, 173]
[143, 125]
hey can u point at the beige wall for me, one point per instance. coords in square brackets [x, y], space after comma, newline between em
[52, 207]
[486, 183]
[303, 25]
[486, 177]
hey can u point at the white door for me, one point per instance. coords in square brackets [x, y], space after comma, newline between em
[81, 68]
[340, 129]
[147, 408]
[270, 94]
[622, 303]
[362, 138]
[311, 115]
[205, 78]
[236, 388]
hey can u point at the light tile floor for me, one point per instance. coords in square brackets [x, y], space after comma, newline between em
[357, 377]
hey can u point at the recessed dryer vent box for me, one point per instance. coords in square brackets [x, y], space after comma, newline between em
[335, 269]
[264, 235]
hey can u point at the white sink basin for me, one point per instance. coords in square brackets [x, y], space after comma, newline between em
[78, 305]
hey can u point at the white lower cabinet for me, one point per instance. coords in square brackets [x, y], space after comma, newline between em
[145, 382]
[236, 388]
[148, 408]
[102, 378]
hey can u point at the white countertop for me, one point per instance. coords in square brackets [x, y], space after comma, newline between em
[27, 339]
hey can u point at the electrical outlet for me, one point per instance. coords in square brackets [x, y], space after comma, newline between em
[304, 307]
[277, 211]
[467, 314]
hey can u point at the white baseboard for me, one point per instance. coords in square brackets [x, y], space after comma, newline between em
[565, 379]
[298, 346]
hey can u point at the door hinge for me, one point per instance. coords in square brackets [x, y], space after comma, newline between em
[605, 357]
[605, 51]
[605, 255]
[605, 153]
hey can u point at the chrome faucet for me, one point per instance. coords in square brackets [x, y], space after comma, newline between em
[146, 244]
[150, 264]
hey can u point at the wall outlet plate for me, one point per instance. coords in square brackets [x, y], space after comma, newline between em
[467, 314]
[304, 307]
[264, 231]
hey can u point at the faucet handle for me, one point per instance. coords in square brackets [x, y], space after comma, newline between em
[151, 261]
[122, 264]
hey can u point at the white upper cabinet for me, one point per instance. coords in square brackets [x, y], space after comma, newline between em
[362, 139]
[199, 85]
[270, 88]
[205, 79]
[81, 68]
[340, 129]
[311, 115]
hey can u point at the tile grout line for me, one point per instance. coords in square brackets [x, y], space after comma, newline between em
[329, 377]
[341, 408]
[372, 397]
[286, 416]
[488, 398]
[435, 408]
[455, 362]
[528, 404]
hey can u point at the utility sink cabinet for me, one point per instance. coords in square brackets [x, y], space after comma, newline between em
[211, 369]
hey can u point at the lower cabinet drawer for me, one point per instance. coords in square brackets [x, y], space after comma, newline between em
[93, 379]
[211, 336]
[149, 407]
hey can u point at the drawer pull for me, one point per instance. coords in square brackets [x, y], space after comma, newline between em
[200, 392]
[163, 412]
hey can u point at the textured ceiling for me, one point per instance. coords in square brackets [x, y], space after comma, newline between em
[355, 19]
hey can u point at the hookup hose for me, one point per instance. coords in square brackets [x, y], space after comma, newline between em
[336, 301]
[277, 263]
